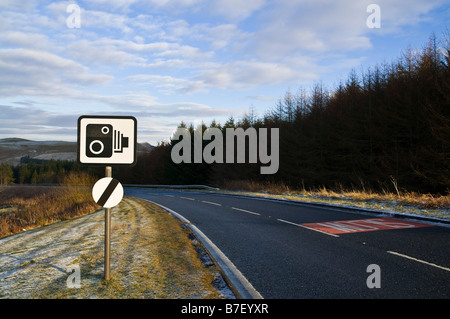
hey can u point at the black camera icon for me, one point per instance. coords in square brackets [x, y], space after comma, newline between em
[103, 141]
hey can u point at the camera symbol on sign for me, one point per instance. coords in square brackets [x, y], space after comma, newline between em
[102, 140]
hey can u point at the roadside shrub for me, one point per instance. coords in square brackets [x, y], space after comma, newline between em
[25, 206]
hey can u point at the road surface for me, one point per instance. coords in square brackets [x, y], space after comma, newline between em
[291, 250]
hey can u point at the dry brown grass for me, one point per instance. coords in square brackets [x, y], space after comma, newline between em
[423, 201]
[254, 186]
[24, 207]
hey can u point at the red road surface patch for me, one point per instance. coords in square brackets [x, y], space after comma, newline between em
[363, 225]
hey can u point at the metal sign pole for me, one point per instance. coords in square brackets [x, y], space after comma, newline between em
[108, 173]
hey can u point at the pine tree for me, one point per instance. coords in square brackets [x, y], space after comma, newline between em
[6, 174]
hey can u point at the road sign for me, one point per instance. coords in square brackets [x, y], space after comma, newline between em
[107, 140]
[107, 192]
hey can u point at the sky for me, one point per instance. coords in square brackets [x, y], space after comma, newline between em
[167, 61]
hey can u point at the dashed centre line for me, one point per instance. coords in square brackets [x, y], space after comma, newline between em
[188, 198]
[245, 211]
[211, 203]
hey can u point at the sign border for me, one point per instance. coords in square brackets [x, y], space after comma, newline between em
[107, 117]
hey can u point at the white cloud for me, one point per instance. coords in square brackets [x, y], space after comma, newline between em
[176, 3]
[405, 12]
[311, 27]
[113, 4]
[32, 72]
[219, 36]
[16, 39]
[166, 84]
[105, 20]
[98, 53]
[293, 27]
[237, 9]
[250, 74]
[14, 5]
[234, 75]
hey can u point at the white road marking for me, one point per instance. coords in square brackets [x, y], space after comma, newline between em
[188, 198]
[418, 260]
[245, 211]
[299, 225]
[212, 203]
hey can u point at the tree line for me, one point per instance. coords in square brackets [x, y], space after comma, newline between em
[31, 171]
[386, 128]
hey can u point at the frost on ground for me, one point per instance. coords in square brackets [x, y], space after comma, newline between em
[151, 257]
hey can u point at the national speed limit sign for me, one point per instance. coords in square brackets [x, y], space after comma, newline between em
[107, 192]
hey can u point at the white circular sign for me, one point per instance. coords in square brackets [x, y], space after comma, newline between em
[107, 192]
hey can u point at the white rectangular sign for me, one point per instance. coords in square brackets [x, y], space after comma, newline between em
[107, 140]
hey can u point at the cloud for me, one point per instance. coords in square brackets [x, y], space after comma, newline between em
[98, 53]
[405, 12]
[176, 4]
[311, 27]
[33, 72]
[217, 37]
[262, 98]
[252, 73]
[234, 75]
[166, 84]
[156, 121]
[30, 40]
[121, 53]
[144, 105]
[237, 9]
[31, 121]
[113, 4]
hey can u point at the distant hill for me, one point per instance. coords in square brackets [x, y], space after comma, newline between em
[144, 148]
[13, 149]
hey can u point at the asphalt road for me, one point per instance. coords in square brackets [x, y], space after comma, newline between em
[283, 258]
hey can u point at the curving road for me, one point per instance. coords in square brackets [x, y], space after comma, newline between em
[291, 250]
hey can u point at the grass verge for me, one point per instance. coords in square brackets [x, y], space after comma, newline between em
[152, 257]
[401, 201]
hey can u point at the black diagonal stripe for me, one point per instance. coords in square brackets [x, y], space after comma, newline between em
[108, 191]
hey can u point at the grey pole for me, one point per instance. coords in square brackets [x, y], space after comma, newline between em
[108, 173]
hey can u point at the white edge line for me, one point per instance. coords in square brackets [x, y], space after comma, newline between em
[300, 225]
[245, 211]
[418, 260]
[237, 279]
[212, 203]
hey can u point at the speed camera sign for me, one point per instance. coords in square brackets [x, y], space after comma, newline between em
[107, 140]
